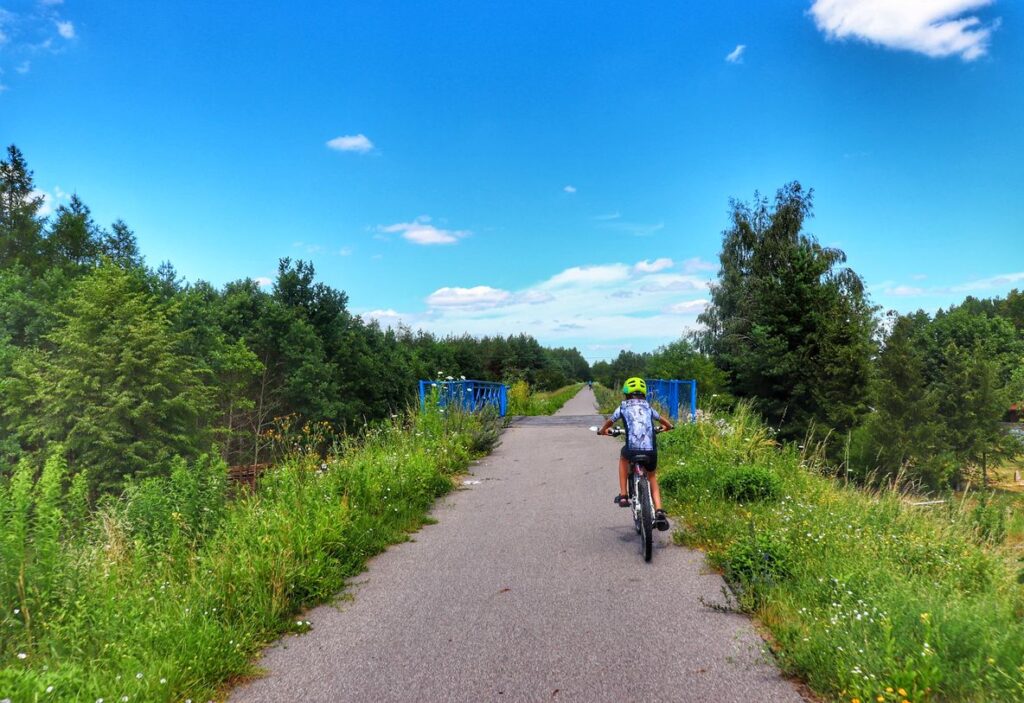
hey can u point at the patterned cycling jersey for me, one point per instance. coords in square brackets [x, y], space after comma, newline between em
[639, 417]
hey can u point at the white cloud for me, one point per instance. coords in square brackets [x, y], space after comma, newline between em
[24, 67]
[420, 231]
[687, 307]
[354, 142]
[736, 55]
[51, 200]
[386, 317]
[66, 29]
[612, 304]
[569, 189]
[263, 281]
[588, 275]
[608, 217]
[646, 266]
[534, 297]
[475, 297]
[935, 28]
[345, 251]
[905, 291]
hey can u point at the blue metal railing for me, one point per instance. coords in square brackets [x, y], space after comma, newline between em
[669, 393]
[467, 394]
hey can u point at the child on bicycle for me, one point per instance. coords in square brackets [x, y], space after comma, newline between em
[638, 416]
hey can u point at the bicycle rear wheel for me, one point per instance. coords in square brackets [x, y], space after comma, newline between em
[646, 516]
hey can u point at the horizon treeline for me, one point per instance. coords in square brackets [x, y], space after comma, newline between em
[122, 367]
[915, 397]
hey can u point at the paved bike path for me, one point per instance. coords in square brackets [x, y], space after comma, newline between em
[531, 587]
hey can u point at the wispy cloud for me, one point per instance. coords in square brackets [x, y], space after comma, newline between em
[308, 248]
[646, 266]
[736, 55]
[607, 217]
[357, 143]
[33, 30]
[996, 285]
[698, 265]
[935, 28]
[637, 229]
[569, 189]
[687, 307]
[1000, 281]
[420, 231]
[263, 281]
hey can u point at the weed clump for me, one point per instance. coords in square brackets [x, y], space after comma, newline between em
[746, 484]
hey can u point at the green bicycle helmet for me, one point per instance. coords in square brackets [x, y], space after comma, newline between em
[634, 385]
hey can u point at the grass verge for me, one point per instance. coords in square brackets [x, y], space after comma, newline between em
[171, 590]
[867, 597]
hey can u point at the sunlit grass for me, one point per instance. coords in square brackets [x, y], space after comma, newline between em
[865, 594]
[172, 590]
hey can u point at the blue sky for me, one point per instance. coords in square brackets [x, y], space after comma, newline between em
[560, 169]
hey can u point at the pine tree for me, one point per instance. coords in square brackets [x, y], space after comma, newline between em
[905, 429]
[789, 325]
[113, 383]
[20, 225]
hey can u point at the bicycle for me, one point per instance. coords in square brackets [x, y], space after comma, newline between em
[642, 507]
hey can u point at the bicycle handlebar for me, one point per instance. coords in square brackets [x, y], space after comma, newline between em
[618, 431]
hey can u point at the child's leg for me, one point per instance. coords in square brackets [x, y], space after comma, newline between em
[623, 474]
[652, 476]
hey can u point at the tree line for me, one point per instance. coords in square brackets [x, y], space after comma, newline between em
[791, 328]
[123, 367]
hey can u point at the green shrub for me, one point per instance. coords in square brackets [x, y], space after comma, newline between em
[745, 484]
[759, 557]
[677, 478]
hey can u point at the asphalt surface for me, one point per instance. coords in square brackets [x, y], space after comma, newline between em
[531, 587]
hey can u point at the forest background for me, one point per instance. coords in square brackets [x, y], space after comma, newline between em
[125, 367]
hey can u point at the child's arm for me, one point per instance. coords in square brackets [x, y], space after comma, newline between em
[665, 424]
[605, 427]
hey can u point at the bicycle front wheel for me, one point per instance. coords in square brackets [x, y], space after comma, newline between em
[646, 516]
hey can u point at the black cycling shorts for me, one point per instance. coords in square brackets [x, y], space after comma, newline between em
[652, 464]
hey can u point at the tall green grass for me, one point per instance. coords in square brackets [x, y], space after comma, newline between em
[867, 596]
[524, 401]
[170, 591]
[607, 399]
